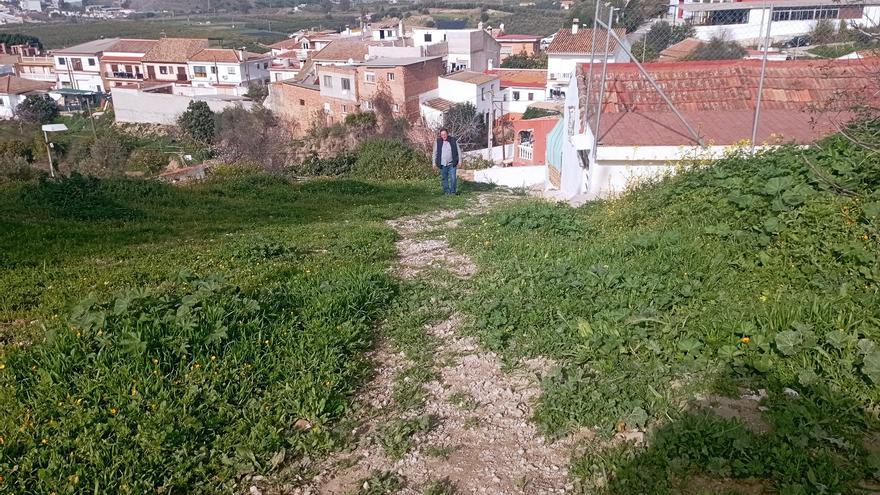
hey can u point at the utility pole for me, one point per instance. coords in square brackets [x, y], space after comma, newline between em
[491, 118]
[49, 151]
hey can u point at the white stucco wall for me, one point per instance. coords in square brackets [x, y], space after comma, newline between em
[132, 105]
[520, 106]
[753, 31]
[527, 176]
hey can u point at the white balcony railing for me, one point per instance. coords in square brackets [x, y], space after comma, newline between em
[526, 152]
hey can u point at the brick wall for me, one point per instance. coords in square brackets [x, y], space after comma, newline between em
[300, 105]
[408, 83]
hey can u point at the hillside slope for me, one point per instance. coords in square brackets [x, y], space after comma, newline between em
[732, 311]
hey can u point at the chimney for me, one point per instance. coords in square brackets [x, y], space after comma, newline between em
[490, 63]
[480, 25]
[241, 55]
[574, 25]
[501, 27]
[400, 29]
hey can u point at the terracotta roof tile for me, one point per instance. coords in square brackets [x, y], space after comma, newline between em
[14, 85]
[582, 42]
[343, 50]
[285, 44]
[439, 104]
[175, 50]
[225, 56]
[132, 46]
[521, 78]
[680, 50]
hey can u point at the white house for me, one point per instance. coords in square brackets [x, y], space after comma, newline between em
[573, 47]
[743, 21]
[521, 88]
[79, 67]
[31, 5]
[467, 49]
[225, 68]
[648, 141]
[387, 30]
[483, 91]
[15, 89]
[6, 18]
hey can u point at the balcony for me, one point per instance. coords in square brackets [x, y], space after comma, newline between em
[124, 75]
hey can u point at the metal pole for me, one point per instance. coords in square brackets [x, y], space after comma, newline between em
[49, 152]
[490, 119]
[657, 88]
[760, 94]
[590, 72]
[602, 83]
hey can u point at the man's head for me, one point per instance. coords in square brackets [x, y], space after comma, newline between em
[444, 134]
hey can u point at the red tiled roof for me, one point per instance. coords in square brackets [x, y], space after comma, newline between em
[733, 84]
[343, 50]
[470, 77]
[516, 38]
[718, 100]
[439, 104]
[14, 85]
[715, 127]
[521, 78]
[680, 50]
[122, 58]
[132, 46]
[225, 56]
[285, 44]
[175, 50]
[582, 41]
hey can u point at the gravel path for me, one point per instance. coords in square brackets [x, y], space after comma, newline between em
[481, 427]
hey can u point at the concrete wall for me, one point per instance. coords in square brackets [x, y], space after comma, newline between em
[496, 154]
[131, 105]
[512, 176]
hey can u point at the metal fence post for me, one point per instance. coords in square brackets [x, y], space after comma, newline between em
[761, 80]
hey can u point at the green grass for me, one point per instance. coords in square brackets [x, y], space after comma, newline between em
[176, 338]
[645, 301]
[836, 51]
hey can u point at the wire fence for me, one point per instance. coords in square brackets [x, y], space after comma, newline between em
[701, 59]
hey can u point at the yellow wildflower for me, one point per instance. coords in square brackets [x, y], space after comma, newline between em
[745, 340]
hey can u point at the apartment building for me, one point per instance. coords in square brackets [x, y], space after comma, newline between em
[467, 49]
[122, 62]
[36, 68]
[167, 60]
[79, 67]
[483, 91]
[227, 68]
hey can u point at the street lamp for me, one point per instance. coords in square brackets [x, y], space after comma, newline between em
[47, 128]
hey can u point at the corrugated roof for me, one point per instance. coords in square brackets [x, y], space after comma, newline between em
[440, 104]
[14, 85]
[175, 50]
[470, 77]
[132, 46]
[582, 42]
[680, 50]
[90, 48]
[225, 56]
[521, 78]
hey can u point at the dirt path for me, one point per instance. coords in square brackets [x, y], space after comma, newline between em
[479, 439]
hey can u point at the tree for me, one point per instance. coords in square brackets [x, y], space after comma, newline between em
[20, 39]
[344, 5]
[257, 91]
[251, 136]
[718, 49]
[823, 31]
[661, 36]
[198, 121]
[463, 122]
[523, 61]
[36, 110]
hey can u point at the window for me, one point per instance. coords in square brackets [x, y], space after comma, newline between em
[531, 96]
[62, 61]
[328, 82]
[390, 76]
[516, 96]
[114, 68]
[344, 107]
[428, 37]
[346, 84]
[396, 107]
[370, 77]
[302, 102]
[266, 65]
[213, 69]
[232, 70]
[2, 102]
[91, 62]
[200, 71]
[483, 94]
[163, 69]
[367, 105]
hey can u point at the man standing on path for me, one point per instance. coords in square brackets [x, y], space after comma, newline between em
[447, 158]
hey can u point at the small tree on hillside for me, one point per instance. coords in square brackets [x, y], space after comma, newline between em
[718, 49]
[463, 122]
[36, 110]
[523, 61]
[198, 121]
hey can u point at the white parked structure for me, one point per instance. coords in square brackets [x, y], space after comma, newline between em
[225, 69]
[31, 5]
[467, 49]
[743, 21]
[13, 90]
[573, 47]
[79, 67]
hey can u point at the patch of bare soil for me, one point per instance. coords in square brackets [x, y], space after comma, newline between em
[482, 441]
[700, 485]
[746, 409]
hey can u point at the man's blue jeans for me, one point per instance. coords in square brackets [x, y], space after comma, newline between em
[448, 178]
